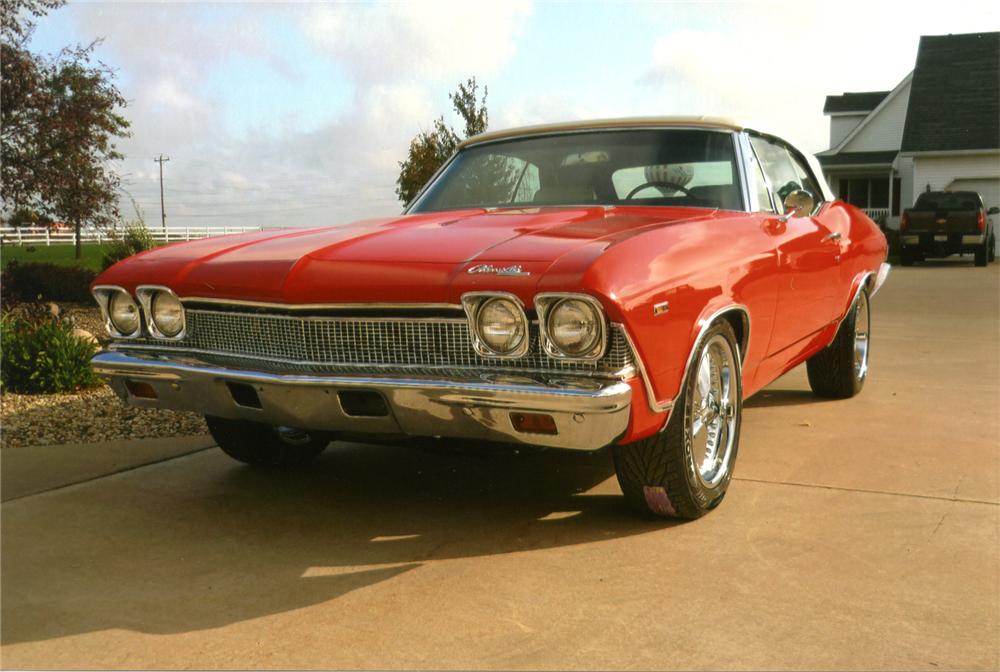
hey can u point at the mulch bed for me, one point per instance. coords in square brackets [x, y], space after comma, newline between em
[85, 417]
[89, 415]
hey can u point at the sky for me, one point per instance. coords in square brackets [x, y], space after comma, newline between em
[297, 114]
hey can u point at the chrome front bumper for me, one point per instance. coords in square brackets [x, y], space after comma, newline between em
[587, 414]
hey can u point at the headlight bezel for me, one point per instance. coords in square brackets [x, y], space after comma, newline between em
[103, 294]
[147, 298]
[547, 303]
[474, 302]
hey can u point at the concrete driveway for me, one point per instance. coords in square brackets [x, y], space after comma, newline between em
[859, 534]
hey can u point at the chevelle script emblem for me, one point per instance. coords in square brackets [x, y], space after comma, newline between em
[498, 270]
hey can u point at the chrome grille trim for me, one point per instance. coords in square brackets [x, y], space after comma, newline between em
[342, 344]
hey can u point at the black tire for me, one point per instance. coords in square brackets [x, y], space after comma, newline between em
[905, 257]
[982, 255]
[658, 474]
[991, 250]
[263, 445]
[833, 372]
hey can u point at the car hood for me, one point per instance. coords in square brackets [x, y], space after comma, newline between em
[407, 259]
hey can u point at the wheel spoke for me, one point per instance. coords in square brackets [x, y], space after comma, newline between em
[704, 376]
[696, 426]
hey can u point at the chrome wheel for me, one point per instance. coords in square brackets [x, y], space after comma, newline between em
[862, 330]
[711, 415]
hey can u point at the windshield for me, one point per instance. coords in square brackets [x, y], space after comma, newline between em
[947, 200]
[635, 167]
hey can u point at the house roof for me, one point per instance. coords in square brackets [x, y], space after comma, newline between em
[857, 158]
[955, 96]
[863, 101]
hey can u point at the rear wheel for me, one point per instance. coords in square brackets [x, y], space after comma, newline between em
[265, 445]
[991, 249]
[685, 470]
[840, 369]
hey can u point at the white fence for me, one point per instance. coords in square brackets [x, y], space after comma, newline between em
[40, 235]
[875, 213]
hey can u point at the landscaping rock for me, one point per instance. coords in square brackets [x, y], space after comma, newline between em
[85, 335]
[85, 417]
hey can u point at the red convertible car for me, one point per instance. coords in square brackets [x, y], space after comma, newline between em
[623, 283]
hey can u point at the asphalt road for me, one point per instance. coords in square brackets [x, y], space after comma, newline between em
[858, 534]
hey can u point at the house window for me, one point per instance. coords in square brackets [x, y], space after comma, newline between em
[858, 192]
[879, 195]
[870, 192]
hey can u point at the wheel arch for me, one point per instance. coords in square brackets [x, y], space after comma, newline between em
[738, 317]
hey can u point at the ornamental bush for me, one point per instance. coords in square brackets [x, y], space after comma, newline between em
[133, 240]
[39, 281]
[44, 357]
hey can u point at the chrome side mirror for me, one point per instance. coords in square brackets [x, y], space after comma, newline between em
[799, 203]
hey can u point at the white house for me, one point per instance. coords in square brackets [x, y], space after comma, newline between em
[939, 128]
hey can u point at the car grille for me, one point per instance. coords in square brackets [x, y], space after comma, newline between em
[373, 343]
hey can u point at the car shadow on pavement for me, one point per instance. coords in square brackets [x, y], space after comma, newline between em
[202, 542]
[778, 397]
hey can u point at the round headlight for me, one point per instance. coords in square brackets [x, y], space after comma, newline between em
[500, 325]
[124, 313]
[574, 327]
[168, 314]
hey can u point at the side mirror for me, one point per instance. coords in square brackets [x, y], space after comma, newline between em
[992, 211]
[799, 203]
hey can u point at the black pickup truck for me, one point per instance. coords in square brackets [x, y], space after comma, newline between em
[942, 223]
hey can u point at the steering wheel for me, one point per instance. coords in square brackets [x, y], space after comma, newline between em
[657, 183]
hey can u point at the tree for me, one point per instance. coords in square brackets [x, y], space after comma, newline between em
[430, 149]
[59, 118]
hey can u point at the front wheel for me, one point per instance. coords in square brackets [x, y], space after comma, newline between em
[264, 445]
[685, 470]
[839, 370]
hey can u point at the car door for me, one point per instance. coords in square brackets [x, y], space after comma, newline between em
[808, 249]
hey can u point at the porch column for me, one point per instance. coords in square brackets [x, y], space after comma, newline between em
[888, 217]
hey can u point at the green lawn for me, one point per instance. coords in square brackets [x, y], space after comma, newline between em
[62, 255]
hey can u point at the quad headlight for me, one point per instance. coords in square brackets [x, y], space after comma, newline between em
[164, 311]
[123, 314]
[498, 324]
[572, 326]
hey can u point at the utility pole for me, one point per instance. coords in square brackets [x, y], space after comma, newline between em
[163, 213]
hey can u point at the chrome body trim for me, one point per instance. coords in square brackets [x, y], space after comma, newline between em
[545, 301]
[296, 307]
[974, 239]
[472, 302]
[145, 294]
[654, 405]
[588, 414]
[102, 294]
[880, 278]
[661, 406]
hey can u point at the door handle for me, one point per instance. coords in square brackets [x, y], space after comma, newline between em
[831, 237]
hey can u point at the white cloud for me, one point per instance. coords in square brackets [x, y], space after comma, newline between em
[418, 40]
[774, 63]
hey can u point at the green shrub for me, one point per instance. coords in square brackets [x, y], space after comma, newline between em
[31, 281]
[133, 240]
[44, 357]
